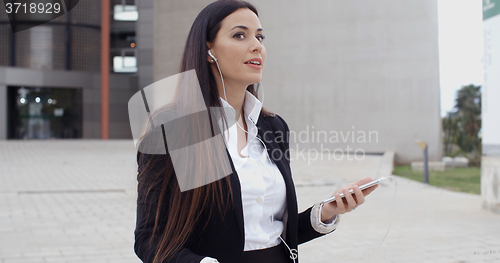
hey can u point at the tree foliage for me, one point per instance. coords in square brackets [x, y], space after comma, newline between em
[462, 126]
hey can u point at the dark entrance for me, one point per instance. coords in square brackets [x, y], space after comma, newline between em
[44, 113]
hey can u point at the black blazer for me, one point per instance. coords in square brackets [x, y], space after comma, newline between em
[225, 241]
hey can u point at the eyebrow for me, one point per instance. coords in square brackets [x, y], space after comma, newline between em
[246, 28]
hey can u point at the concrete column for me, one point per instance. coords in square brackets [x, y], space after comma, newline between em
[144, 35]
[490, 182]
[3, 111]
[490, 126]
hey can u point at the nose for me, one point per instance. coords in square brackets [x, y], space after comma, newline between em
[257, 46]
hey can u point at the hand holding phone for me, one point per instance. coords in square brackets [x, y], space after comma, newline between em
[365, 186]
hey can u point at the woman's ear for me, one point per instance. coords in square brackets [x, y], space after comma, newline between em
[209, 58]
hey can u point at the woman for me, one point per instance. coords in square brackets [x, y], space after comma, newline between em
[251, 214]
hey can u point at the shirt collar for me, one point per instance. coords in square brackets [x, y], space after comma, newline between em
[251, 106]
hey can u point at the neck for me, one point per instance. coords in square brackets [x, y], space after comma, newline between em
[235, 94]
[234, 98]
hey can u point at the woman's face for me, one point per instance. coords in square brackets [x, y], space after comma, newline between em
[238, 42]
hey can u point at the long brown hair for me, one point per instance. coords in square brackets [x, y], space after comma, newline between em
[157, 178]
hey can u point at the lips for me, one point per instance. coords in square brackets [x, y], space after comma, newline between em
[254, 61]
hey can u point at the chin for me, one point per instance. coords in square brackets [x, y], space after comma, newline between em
[250, 79]
[254, 80]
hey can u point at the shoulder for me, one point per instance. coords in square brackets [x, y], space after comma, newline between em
[276, 121]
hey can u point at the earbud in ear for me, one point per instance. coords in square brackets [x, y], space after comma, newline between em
[210, 54]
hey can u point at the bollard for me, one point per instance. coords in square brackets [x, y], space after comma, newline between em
[424, 147]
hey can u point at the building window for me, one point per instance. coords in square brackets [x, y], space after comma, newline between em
[124, 64]
[44, 113]
[125, 13]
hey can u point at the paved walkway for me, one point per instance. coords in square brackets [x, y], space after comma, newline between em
[74, 201]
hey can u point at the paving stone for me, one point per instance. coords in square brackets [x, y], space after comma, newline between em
[74, 201]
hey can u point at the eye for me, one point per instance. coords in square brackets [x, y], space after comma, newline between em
[261, 37]
[239, 35]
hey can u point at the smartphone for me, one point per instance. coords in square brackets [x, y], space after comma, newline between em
[368, 185]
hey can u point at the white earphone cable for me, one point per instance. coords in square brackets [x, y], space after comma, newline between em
[392, 213]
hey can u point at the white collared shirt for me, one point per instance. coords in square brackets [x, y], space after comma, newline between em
[263, 190]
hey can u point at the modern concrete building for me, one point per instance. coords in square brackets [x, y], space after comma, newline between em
[490, 108]
[347, 76]
[50, 74]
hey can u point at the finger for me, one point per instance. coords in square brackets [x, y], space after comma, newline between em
[341, 209]
[363, 181]
[368, 190]
[360, 198]
[351, 185]
[349, 198]
[359, 182]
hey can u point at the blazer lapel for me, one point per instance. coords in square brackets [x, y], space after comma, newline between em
[266, 134]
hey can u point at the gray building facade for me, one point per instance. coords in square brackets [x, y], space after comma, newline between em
[349, 76]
